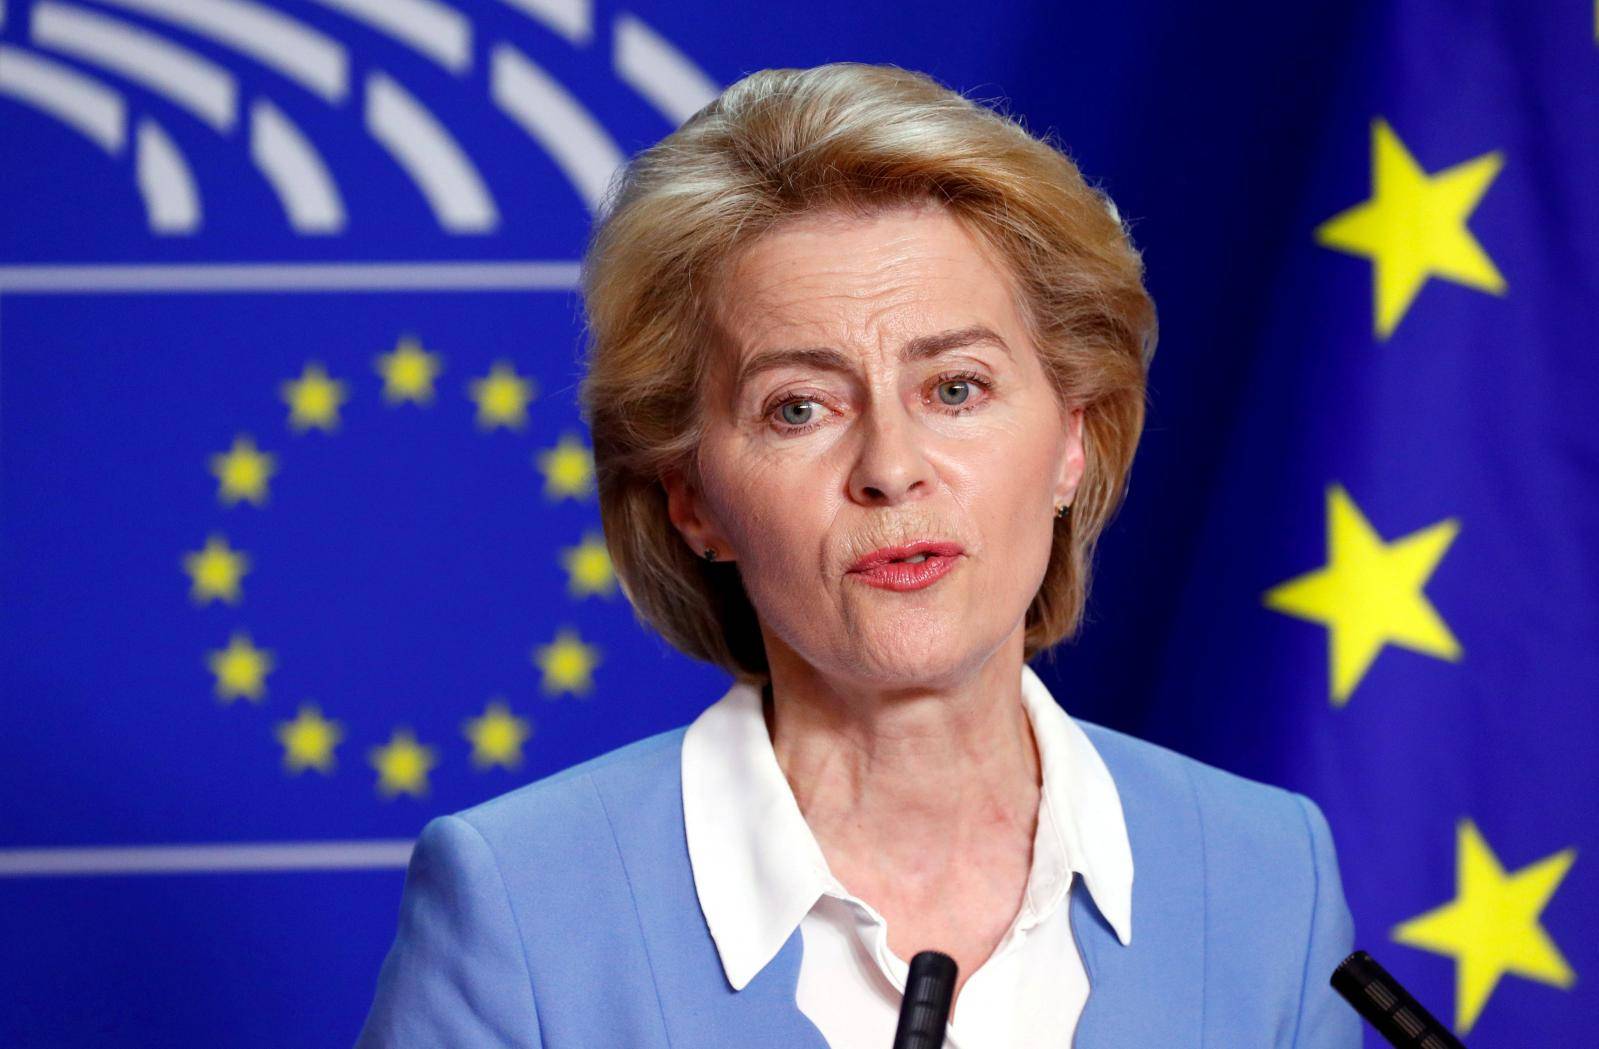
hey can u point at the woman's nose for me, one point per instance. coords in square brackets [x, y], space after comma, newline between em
[891, 466]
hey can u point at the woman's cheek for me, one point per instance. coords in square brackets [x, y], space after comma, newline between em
[763, 505]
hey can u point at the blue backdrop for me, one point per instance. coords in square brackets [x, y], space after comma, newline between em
[297, 533]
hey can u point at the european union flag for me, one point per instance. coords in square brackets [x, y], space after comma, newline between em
[1395, 599]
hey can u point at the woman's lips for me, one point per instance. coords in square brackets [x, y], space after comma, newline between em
[902, 575]
[891, 568]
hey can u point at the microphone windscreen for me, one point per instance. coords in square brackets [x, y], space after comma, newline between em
[924, 1013]
[1387, 1006]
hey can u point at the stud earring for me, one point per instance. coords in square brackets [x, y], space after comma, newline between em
[1062, 511]
[709, 553]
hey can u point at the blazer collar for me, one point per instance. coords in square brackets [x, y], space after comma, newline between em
[758, 869]
[1151, 993]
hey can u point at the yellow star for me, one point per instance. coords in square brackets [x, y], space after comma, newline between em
[497, 737]
[403, 765]
[588, 567]
[502, 397]
[240, 669]
[1370, 593]
[309, 740]
[215, 571]
[242, 472]
[408, 372]
[568, 663]
[313, 399]
[1491, 927]
[1414, 227]
[568, 469]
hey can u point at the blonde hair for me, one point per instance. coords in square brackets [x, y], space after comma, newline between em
[784, 142]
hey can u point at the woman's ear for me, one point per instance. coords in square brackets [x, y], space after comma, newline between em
[1073, 462]
[691, 518]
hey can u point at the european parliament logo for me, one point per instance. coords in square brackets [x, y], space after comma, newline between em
[300, 537]
[120, 80]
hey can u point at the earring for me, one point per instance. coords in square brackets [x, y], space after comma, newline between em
[1063, 510]
[709, 554]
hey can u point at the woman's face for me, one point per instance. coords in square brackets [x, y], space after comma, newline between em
[874, 386]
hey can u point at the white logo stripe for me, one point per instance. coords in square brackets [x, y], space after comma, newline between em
[195, 83]
[268, 277]
[572, 19]
[296, 171]
[426, 26]
[580, 147]
[435, 162]
[378, 854]
[171, 201]
[666, 78]
[84, 104]
[311, 59]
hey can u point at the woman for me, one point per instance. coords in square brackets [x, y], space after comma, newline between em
[866, 378]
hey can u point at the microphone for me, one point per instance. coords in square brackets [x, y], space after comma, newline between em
[929, 989]
[1388, 1007]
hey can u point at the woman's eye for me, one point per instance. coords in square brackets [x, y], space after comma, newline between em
[797, 413]
[954, 391]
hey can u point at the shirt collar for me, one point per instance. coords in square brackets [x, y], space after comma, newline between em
[1082, 805]
[758, 869]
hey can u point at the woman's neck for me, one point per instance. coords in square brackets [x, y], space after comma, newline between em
[900, 783]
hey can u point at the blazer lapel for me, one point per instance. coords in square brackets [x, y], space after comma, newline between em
[698, 1006]
[1150, 992]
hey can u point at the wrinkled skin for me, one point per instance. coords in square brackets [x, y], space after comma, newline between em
[874, 454]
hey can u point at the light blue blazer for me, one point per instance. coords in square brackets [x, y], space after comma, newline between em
[564, 915]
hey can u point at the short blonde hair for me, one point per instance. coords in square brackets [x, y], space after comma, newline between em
[783, 142]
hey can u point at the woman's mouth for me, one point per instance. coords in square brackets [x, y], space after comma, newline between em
[909, 567]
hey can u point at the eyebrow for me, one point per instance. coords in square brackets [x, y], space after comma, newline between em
[824, 358]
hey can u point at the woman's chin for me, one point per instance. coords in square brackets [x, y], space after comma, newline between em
[922, 652]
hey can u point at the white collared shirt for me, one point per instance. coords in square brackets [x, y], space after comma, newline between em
[759, 873]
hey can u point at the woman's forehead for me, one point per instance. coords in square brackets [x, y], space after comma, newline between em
[889, 275]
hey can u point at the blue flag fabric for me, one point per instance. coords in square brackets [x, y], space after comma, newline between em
[1391, 600]
[298, 542]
